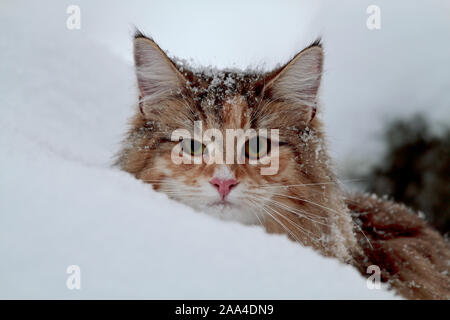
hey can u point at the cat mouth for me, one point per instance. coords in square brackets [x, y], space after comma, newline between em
[222, 204]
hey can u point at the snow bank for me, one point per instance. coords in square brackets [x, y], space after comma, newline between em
[64, 103]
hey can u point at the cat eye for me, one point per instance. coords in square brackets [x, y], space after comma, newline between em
[192, 147]
[257, 147]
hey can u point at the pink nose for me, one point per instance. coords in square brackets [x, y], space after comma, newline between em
[223, 186]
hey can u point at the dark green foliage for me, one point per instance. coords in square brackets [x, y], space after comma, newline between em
[416, 170]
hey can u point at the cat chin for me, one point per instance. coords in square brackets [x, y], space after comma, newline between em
[231, 212]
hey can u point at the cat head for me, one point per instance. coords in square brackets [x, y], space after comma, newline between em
[299, 198]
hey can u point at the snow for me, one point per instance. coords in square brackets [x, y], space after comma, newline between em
[65, 97]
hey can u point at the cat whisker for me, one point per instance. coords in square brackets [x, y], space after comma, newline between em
[298, 227]
[299, 213]
[313, 184]
[308, 201]
[256, 215]
[186, 193]
[330, 209]
[281, 224]
[295, 225]
[305, 184]
[303, 214]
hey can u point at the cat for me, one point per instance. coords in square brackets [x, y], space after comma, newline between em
[304, 199]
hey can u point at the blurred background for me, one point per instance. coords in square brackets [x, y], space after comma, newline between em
[385, 93]
[414, 169]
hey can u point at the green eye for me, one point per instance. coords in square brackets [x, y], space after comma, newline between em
[192, 147]
[257, 147]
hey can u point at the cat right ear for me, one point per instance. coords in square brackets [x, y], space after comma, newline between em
[158, 78]
[295, 87]
[299, 80]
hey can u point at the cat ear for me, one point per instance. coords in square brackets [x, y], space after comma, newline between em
[297, 83]
[157, 76]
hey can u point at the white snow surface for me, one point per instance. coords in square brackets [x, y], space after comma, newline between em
[65, 98]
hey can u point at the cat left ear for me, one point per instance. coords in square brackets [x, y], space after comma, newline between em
[157, 76]
[298, 81]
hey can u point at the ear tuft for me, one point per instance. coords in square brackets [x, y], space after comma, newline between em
[316, 43]
[139, 34]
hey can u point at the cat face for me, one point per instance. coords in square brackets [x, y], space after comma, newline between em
[300, 198]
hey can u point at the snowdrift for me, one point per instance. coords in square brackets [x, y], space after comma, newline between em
[65, 102]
